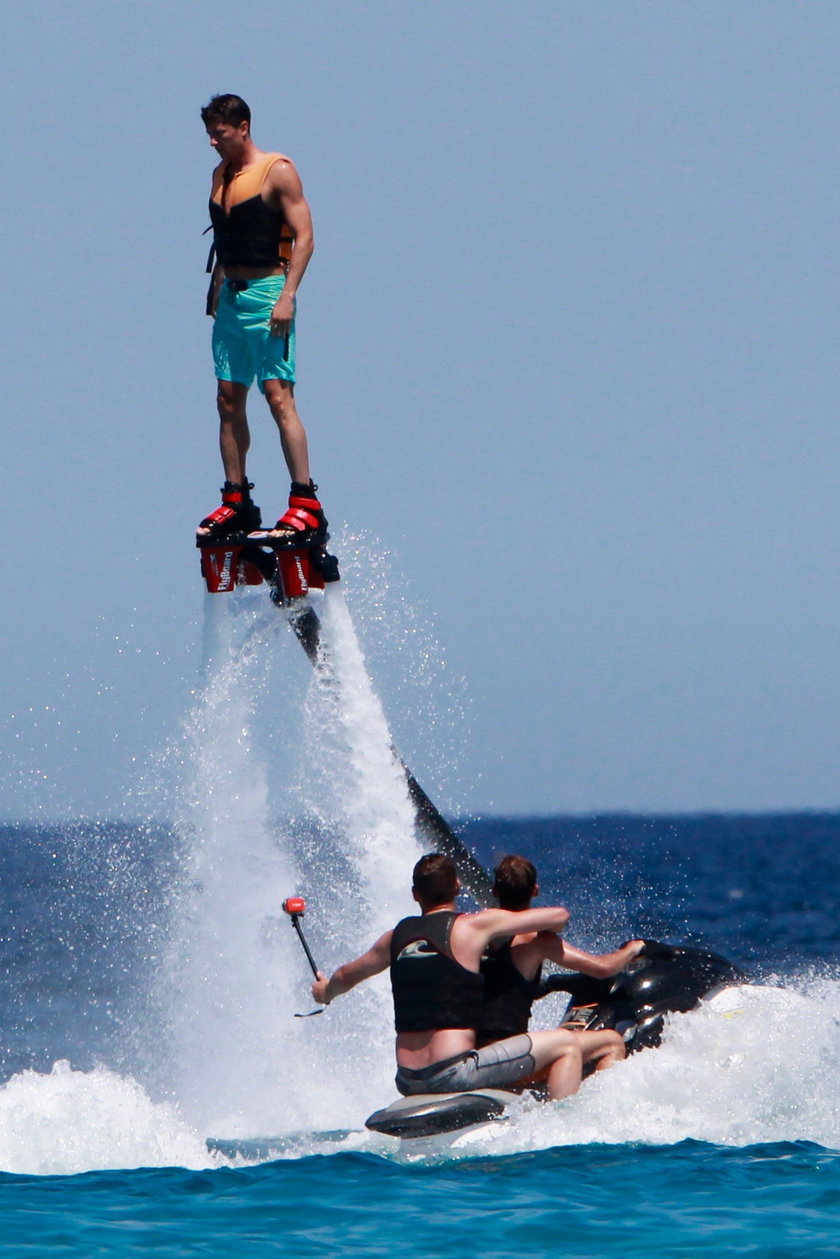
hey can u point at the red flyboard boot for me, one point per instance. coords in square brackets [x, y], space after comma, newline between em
[238, 514]
[303, 525]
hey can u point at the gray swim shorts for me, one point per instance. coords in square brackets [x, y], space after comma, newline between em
[500, 1065]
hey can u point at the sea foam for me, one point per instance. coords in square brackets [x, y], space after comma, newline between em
[70, 1121]
[752, 1064]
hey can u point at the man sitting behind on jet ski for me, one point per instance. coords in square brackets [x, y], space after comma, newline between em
[438, 990]
[512, 967]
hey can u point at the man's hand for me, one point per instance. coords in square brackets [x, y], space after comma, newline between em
[282, 314]
[319, 989]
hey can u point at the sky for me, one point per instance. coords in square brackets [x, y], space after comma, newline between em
[567, 358]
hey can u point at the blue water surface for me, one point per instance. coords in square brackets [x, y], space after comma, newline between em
[83, 912]
[686, 1200]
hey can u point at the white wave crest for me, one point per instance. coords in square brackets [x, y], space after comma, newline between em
[70, 1121]
[752, 1064]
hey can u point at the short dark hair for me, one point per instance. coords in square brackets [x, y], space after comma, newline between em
[515, 880]
[435, 879]
[226, 108]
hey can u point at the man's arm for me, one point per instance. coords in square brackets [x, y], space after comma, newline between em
[347, 976]
[532, 949]
[503, 923]
[285, 192]
[600, 966]
[471, 933]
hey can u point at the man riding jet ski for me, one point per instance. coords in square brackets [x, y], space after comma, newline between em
[628, 991]
[512, 968]
[438, 989]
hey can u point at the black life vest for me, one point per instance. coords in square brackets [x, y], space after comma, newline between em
[431, 990]
[246, 231]
[508, 995]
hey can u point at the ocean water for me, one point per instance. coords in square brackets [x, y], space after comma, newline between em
[726, 1137]
[149, 987]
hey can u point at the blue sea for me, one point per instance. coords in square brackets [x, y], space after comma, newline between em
[725, 1140]
[150, 988]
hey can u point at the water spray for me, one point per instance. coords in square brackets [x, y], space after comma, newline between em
[295, 907]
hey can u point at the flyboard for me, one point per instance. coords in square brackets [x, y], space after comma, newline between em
[291, 574]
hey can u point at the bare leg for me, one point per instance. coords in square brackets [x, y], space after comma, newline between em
[603, 1048]
[234, 441]
[234, 434]
[280, 396]
[561, 1052]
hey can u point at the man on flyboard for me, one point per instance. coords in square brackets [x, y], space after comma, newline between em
[262, 241]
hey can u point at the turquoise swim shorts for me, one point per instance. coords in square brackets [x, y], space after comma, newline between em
[243, 346]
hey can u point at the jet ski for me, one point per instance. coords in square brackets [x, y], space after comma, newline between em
[663, 979]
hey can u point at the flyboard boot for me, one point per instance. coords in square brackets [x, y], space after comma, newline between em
[238, 514]
[299, 539]
[292, 557]
[222, 538]
[303, 525]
